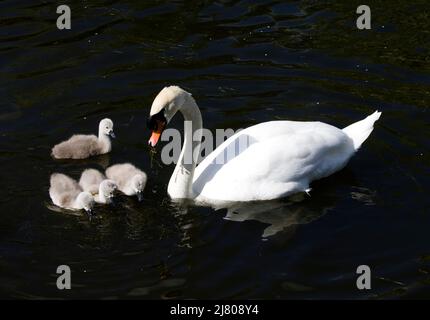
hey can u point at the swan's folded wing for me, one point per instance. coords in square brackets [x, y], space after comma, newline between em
[274, 166]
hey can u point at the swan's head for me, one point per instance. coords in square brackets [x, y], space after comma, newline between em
[138, 183]
[85, 201]
[163, 109]
[106, 127]
[108, 188]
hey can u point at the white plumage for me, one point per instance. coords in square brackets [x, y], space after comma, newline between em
[278, 158]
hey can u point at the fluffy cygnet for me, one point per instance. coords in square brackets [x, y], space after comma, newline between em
[90, 180]
[106, 192]
[66, 193]
[130, 180]
[84, 146]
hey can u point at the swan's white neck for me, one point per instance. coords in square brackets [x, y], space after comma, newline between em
[104, 141]
[180, 184]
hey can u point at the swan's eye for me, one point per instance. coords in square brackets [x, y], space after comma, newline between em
[156, 120]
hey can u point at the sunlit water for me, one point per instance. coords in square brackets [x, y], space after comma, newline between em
[245, 63]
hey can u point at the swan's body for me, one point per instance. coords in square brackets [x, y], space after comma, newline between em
[283, 157]
[279, 158]
[84, 146]
[90, 180]
[130, 180]
[66, 193]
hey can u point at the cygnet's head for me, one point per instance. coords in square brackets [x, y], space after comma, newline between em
[106, 127]
[138, 183]
[108, 188]
[85, 201]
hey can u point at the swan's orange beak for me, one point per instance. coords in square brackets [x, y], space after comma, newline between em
[155, 136]
[156, 133]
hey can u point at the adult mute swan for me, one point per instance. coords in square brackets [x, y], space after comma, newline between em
[280, 157]
[81, 146]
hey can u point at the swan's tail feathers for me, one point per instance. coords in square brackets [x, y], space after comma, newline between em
[360, 131]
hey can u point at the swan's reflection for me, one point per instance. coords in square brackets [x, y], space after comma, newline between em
[77, 166]
[102, 160]
[277, 214]
[286, 214]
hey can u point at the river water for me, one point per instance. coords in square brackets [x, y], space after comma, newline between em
[245, 62]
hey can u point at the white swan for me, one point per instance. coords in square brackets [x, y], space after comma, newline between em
[66, 193]
[84, 146]
[90, 180]
[130, 180]
[280, 158]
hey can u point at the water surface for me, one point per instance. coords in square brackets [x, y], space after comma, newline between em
[245, 62]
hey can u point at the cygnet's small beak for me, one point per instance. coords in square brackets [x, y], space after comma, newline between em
[139, 195]
[112, 134]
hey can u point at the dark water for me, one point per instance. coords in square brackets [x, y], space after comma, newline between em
[245, 62]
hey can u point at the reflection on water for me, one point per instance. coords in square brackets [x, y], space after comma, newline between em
[284, 215]
[245, 62]
[100, 161]
[278, 215]
[364, 195]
